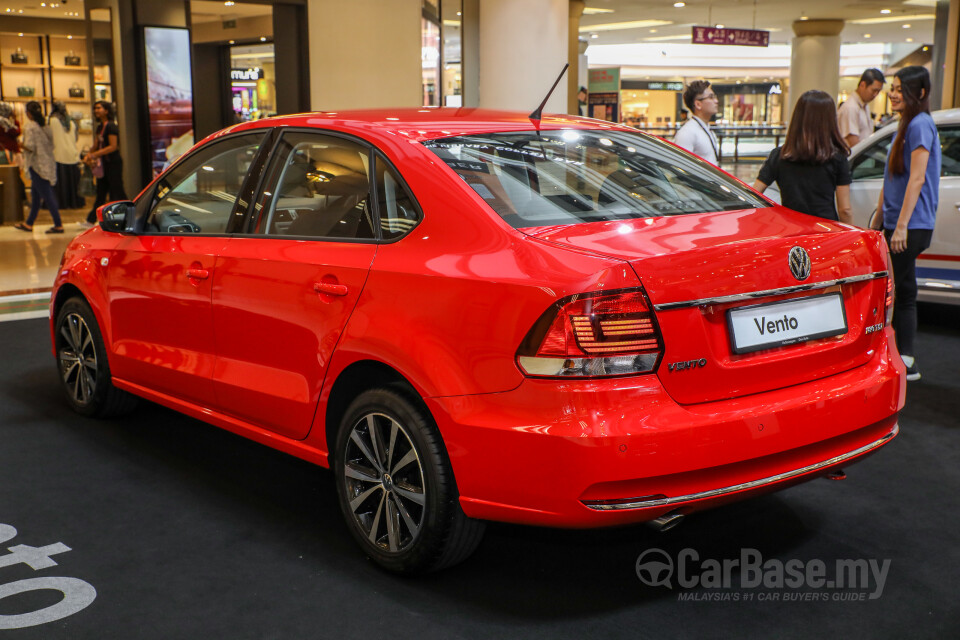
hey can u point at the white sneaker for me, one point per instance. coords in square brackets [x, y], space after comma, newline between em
[913, 374]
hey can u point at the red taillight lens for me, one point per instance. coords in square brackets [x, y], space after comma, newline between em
[594, 334]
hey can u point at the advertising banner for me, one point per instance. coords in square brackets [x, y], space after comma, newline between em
[169, 94]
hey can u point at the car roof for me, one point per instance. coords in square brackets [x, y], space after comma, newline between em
[941, 117]
[425, 123]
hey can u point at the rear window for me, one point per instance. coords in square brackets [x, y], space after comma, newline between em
[569, 176]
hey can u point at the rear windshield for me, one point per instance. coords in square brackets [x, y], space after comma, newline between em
[571, 176]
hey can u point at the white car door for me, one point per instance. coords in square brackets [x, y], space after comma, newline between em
[938, 268]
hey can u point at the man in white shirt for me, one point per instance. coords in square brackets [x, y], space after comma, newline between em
[695, 135]
[854, 114]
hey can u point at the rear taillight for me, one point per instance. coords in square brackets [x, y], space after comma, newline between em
[593, 334]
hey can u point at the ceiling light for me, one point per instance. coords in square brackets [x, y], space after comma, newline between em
[884, 11]
[926, 48]
[617, 26]
[589, 11]
[263, 38]
[921, 16]
[909, 39]
[593, 35]
[804, 18]
[906, 26]
[228, 3]
[653, 30]
[719, 26]
[679, 5]
[233, 42]
[867, 35]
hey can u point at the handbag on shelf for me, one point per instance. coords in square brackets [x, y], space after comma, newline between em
[18, 57]
[76, 91]
[25, 91]
[71, 60]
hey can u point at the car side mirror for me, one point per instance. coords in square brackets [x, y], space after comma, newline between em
[116, 217]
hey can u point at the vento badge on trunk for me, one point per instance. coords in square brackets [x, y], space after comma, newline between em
[799, 263]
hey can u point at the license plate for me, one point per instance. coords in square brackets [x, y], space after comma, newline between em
[766, 326]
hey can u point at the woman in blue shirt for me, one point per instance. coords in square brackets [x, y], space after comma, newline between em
[909, 198]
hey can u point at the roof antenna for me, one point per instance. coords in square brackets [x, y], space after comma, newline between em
[539, 110]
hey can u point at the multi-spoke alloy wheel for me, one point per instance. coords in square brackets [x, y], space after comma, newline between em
[78, 359]
[82, 360]
[384, 482]
[396, 487]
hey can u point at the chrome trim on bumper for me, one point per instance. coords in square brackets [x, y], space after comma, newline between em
[769, 292]
[713, 493]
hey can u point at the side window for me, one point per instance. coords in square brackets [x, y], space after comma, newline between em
[871, 163]
[199, 195]
[321, 189]
[950, 146]
[398, 211]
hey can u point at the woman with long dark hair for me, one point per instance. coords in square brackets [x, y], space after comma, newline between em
[908, 201]
[811, 168]
[106, 150]
[39, 162]
[64, 131]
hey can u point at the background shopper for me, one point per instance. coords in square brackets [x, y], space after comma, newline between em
[854, 117]
[811, 168]
[65, 152]
[9, 132]
[695, 135]
[106, 149]
[909, 198]
[40, 164]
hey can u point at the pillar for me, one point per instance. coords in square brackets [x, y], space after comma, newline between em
[950, 92]
[815, 58]
[523, 47]
[573, 55]
[364, 54]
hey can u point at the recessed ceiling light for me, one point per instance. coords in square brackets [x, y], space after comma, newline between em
[867, 35]
[653, 30]
[591, 11]
[804, 18]
[719, 26]
[228, 3]
[909, 39]
[593, 35]
[679, 5]
[233, 42]
[263, 38]
[906, 26]
[884, 11]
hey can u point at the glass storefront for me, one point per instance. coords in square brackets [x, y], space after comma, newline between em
[253, 82]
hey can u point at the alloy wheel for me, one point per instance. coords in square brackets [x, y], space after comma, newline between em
[78, 358]
[384, 482]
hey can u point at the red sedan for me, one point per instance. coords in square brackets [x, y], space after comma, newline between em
[471, 315]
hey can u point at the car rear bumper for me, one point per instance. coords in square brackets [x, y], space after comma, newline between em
[573, 453]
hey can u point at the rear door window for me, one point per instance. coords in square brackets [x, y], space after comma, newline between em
[870, 164]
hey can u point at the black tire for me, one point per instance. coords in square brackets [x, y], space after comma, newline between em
[381, 493]
[83, 366]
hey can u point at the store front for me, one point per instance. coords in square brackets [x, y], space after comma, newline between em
[651, 105]
[757, 103]
[253, 83]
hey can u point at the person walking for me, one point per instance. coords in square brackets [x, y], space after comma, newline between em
[106, 149]
[909, 198]
[65, 152]
[811, 168]
[40, 164]
[853, 117]
[695, 135]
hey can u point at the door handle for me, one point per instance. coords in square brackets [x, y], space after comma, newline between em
[198, 274]
[330, 288]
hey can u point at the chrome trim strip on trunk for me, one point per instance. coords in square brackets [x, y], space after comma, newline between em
[769, 292]
[713, 493]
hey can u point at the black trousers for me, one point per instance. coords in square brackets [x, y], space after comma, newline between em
[110, 184]
[905, 287]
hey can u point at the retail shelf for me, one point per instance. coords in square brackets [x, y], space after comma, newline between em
[11, 65]
[62, 67]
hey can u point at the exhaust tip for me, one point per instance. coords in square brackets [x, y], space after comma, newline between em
[666, 522]
[838, 474]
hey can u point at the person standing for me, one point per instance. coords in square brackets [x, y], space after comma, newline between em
[811, 168]
[909, 198]
[9, 132]
[106, 149]
[695, 135]
[853, 117]
[65, 152]
[40, 164]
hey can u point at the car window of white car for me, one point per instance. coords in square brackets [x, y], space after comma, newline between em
[322, 189]
[950, 146]
[869, 164]
[198, 194]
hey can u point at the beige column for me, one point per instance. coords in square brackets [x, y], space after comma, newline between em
[951, 68]
[523, 47]
[573, 55]
[815, 58]
[364, 54]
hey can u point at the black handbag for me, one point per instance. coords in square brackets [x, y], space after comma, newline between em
[71, 60]
[18, 57]
[76, 91]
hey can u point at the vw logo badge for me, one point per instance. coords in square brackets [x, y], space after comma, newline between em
[799, 263]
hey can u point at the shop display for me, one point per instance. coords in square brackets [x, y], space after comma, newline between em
[549, 321]
[19, 57]
[26, 91]
[71, 60]
[76, 91]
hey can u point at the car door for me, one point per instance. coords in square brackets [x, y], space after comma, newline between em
[939, 266]
[866, 169]
[159, 279]
[283, 291]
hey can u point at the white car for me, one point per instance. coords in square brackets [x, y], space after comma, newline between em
[938, 268]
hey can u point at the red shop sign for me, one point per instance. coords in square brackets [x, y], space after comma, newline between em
[742, 37]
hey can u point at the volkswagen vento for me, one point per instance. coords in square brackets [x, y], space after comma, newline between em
[472, 315]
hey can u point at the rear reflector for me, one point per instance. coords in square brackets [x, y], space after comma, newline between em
[594, 334]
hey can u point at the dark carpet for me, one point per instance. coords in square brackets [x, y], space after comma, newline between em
[186, 531]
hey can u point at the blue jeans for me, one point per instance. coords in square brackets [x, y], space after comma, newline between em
[40, 188]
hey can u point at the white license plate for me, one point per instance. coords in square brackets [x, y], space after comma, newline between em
[765, 326]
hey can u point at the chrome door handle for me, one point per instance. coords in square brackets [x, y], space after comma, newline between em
[198, 274]
[330, 288]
